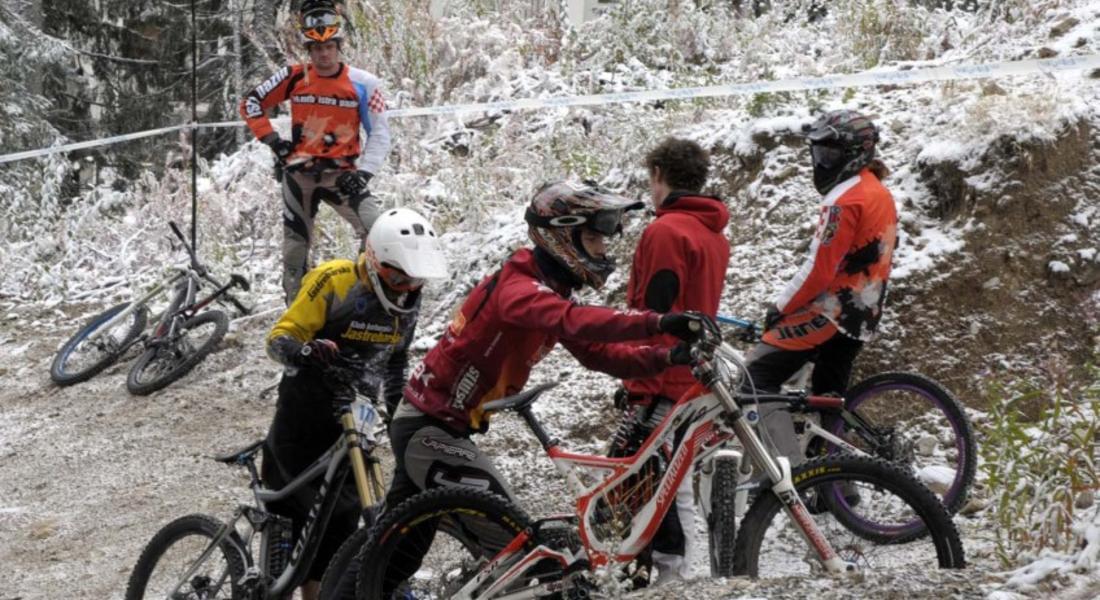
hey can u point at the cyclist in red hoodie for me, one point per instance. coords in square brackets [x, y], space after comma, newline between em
[834, 303]
[679, 264]
[508, 323]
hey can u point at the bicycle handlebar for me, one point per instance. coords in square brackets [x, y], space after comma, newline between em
[751, 332]
[736, 321]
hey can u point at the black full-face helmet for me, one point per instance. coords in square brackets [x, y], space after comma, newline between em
[842, 143]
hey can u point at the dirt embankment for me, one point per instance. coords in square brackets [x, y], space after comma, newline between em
[1019, 300]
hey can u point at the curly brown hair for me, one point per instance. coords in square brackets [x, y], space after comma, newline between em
[683, 163]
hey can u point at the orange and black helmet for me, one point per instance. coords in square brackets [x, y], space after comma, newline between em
[319, 21]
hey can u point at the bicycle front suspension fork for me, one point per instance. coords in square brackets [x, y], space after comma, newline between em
[778, 471]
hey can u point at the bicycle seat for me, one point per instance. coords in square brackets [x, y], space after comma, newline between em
[519, 401]
[240, 455]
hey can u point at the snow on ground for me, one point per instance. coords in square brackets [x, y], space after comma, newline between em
[88, 473]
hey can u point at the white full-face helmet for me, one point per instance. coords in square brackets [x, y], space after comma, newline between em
[401, 252]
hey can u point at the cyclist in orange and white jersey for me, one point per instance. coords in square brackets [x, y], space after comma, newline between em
[339, 137]
[834, 303]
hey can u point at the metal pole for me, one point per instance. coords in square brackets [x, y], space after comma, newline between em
[238, 78]
[194, 131]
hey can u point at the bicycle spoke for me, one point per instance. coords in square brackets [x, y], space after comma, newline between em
[209, 580]
[784, 551]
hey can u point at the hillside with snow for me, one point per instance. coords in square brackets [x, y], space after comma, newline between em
[995, 292]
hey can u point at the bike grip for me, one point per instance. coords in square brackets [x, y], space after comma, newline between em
[244, 310]
[240, 281]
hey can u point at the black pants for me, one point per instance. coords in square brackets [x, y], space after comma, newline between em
[634, 427]
[768, 367]
[305, 427]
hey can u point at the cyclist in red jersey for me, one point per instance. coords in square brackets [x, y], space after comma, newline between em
[508, 323]
[834, 303]
[327, 159]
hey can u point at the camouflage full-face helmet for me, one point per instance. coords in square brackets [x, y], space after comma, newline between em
[842, 143]
[560, 211]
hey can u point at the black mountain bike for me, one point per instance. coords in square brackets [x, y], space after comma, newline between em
[250, 557]
[182, 337]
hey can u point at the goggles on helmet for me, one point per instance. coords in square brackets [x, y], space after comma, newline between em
[828, 157]
[320, 26]
[397, 280]
[605, 222]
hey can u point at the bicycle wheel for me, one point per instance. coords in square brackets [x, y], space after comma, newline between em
[170, 566]
[915, 422]
[85, 354]
[433, 543]
[167, 360]
[770, 543]
[722, 521]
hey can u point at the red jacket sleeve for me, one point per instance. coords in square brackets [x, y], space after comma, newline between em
[529, 304]
[624, 361]
[835, 232]
[259, 100]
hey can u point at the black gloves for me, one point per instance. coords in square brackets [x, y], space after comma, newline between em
[317, 353]
[771, 317]
[353, 183]
[281, 148]
[680, 354]
[687, 326]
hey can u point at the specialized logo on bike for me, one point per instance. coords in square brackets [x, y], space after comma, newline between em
[448, 449]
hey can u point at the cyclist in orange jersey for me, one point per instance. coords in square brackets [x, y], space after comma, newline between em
[834, 303]
[327, 159]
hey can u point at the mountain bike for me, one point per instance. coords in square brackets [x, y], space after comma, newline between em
[460, 542]
[198, 556]
[904, 418]
[182, 337]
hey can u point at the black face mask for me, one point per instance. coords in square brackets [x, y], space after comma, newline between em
[830, 165]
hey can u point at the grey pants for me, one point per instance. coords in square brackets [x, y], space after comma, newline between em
[303, 193]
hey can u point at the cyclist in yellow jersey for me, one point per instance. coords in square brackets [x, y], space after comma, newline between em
[365, 311]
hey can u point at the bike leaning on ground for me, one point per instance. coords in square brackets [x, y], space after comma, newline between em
[184, 333]
[251, 556]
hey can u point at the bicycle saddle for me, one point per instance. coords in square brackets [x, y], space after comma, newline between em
[240, 455]
[519, 401]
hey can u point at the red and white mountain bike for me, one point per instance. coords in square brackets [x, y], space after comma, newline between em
[465, 543]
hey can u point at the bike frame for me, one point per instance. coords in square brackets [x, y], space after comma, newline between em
[700, 420]
[329, 467]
